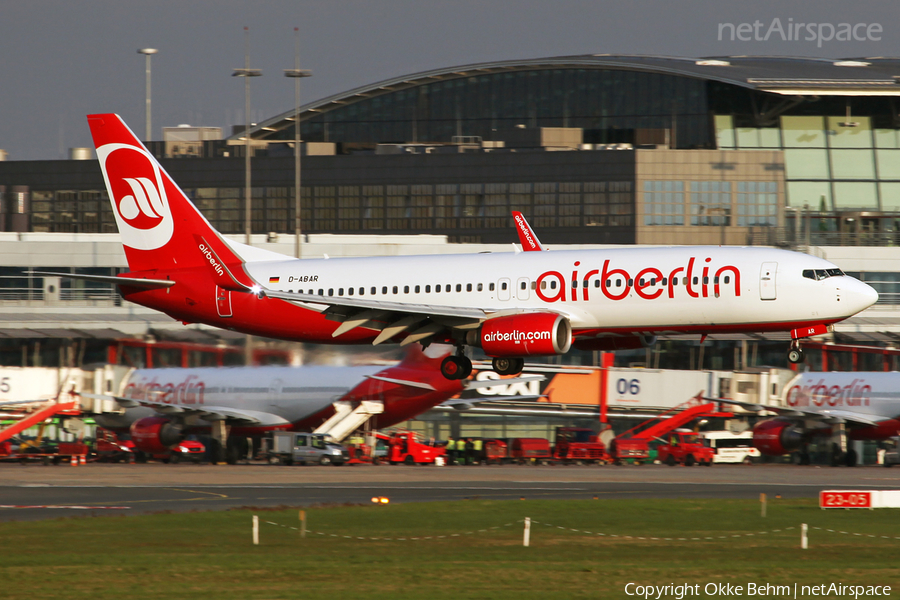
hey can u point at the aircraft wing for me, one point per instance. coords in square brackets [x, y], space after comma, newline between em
[418, 321]
[824, 414]
[206, 412]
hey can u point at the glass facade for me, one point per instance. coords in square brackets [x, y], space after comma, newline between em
[611, 105]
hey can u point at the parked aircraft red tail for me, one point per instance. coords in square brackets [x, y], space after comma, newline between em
[161, 229]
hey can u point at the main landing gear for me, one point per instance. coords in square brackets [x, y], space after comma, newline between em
[456, 367]
[795, 353]
[459, 366]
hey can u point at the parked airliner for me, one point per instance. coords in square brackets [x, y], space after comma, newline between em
[511, 305]
[163, 405]
[853, 405]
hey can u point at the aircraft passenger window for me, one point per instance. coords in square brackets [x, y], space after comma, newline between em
[340, 291]
[715, 280]
[447, 289]
[437, 289]
[373, 291]
[427, 289]
[491, 287]
[705, 280]
[684, 281]
[664, 281]
[349, 291]
[618, 283]
[596, 283]
[458, 287]
[503, 286]
[418, 289]
[609, 283]
[310, 292]
[727, 279]
[574, 283]
[384, 289]
[331, 291]
[653, 281]
[395, 289]
[480, 287]
[362, 291]
[696, 280]
[585, 284]
[553, 284]
[534, 285]
[405, 289]
[641, 281]
[524, 285]
[468, 287]
[630, 282]
[321, 292]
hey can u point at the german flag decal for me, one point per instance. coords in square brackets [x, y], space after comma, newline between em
[274, 279]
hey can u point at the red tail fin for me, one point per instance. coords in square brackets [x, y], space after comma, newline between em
[158, 224]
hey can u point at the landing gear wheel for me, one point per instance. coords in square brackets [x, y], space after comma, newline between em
[508, 366]
[456, 367]
[795, 354]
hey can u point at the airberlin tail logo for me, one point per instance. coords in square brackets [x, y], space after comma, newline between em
[138, 195]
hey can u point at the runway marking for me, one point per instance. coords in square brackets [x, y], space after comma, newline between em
[200, 492]
[55, 506]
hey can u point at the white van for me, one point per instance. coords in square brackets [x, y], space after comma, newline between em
[732, 447]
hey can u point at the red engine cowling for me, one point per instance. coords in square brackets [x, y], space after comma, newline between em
[777, 436]
[532, 334]
[154, 435]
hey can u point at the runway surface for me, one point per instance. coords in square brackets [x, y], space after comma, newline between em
[34, 492]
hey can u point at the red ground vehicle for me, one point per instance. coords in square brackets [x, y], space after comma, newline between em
[187, 450]
[495, 451]
[685, 447]
[403, 447]
[637, 449]
[579, 444]
[109, 448]
[522, 450]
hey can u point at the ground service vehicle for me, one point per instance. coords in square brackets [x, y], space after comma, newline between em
[579, 444]
[685, 448]
[404, 447]
[109, 448]
[289, 447]
[732, 447]
[522, 450]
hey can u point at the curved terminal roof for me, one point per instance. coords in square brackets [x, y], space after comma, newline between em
[791, 76]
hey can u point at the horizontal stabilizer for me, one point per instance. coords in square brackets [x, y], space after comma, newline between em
[149, 284]
[415, 384]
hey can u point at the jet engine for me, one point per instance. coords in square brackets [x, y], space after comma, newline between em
[777, 436]
[528, 334]
[154, 435]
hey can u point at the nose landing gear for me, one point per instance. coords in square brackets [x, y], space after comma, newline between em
[795, 353]
[456, 367]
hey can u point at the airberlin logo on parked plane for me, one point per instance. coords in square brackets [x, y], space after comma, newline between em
[139, 196]
[649, 283]
[856, 393]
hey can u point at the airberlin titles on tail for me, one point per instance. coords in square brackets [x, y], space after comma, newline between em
[512, 305]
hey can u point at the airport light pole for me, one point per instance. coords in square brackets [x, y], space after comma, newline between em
[247, 73]
[297, 74]
[147, 52]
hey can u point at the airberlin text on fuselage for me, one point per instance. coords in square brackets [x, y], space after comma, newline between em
[856, 393]
[189, 391]
[649, 283]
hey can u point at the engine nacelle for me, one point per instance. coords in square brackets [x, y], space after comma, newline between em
[777, 436]
[531, 334]
[154, 435]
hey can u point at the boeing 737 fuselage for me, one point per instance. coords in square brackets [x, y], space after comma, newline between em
[511, 305]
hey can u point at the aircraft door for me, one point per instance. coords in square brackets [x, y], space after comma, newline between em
[503, 289]
[767, 280]
[223, 302]
[522, 292]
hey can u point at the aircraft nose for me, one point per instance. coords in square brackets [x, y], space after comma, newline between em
[860, 295]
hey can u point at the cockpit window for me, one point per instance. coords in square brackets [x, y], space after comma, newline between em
[819, 274]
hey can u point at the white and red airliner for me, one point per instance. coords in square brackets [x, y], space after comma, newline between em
[852, 405]
[163, 405]
[511, 305]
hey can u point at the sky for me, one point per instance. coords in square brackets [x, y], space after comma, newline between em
[61, 60]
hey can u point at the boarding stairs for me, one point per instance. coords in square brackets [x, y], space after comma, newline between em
[674, 418]
[37, 414]
[347, 419]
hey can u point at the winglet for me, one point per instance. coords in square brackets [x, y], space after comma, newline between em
[527, 237]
